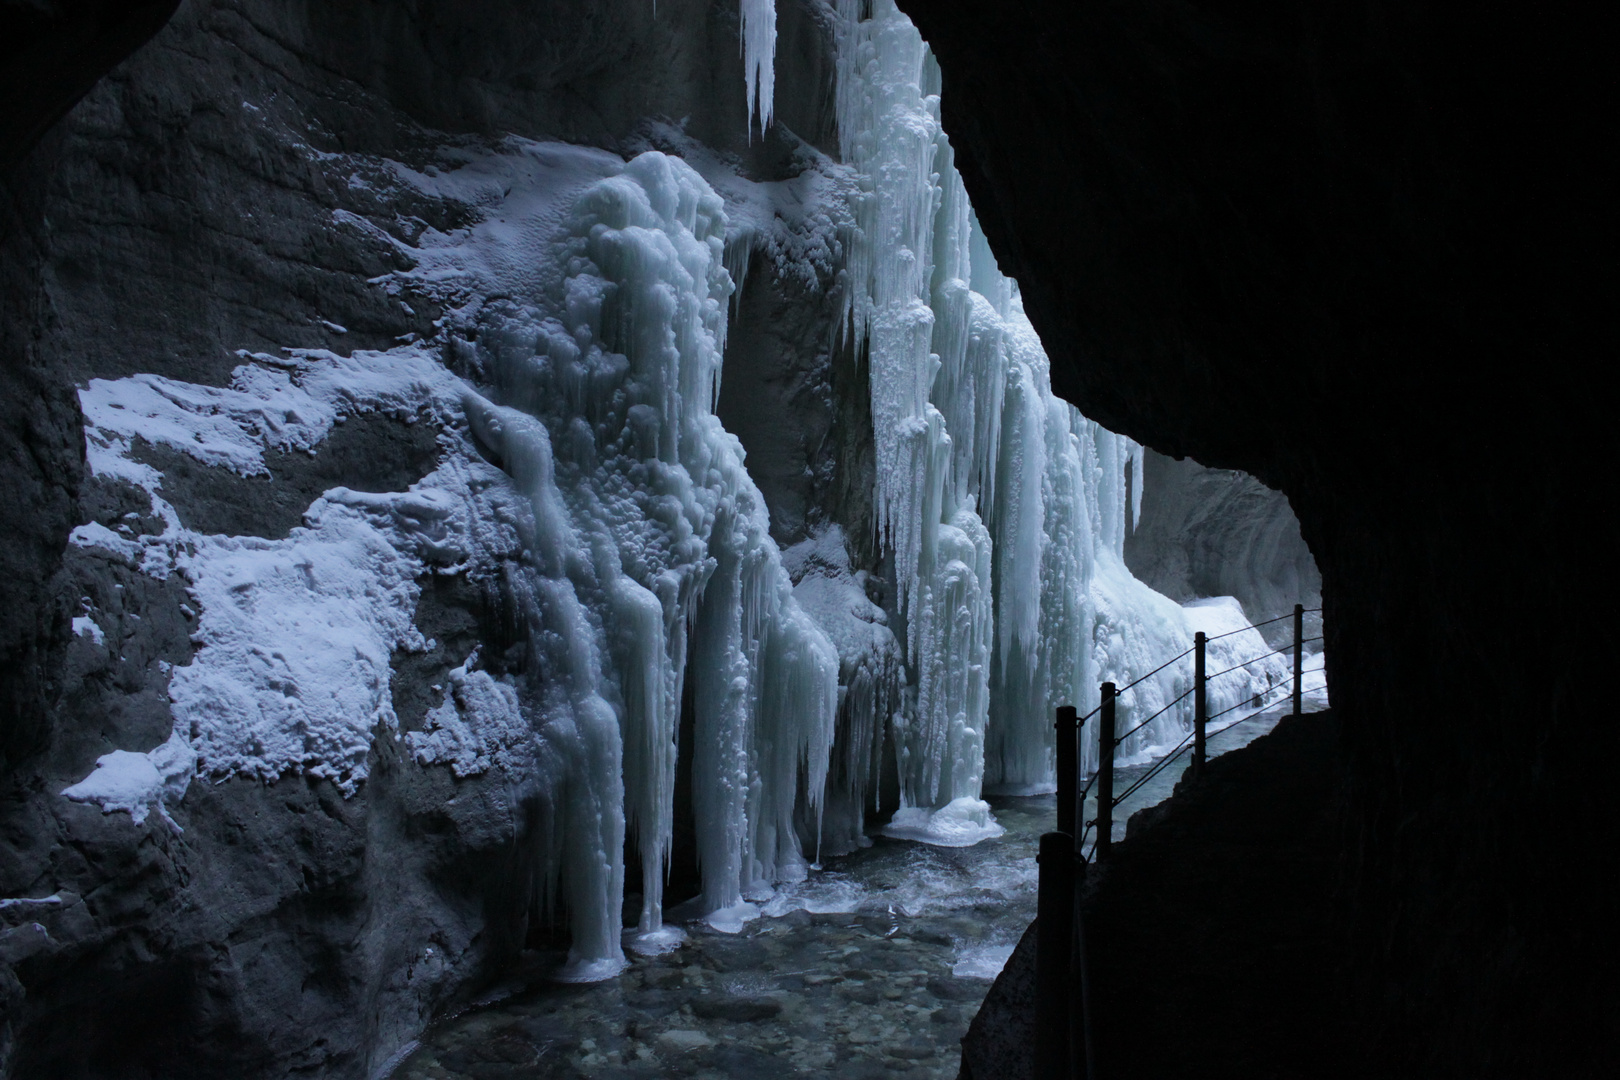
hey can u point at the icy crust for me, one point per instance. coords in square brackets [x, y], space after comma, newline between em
[651, 556]
[139, 783]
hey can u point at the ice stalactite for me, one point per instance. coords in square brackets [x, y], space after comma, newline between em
[1004, 507]
[758, 19]
[651, 557]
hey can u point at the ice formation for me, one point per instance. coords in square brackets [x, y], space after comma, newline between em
[585, 479]
[1005, 508]
[647, 519]
[758, 18]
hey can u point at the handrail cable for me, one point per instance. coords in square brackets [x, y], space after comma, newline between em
[1121, 738]
[1158, 767]
[1244, 664]
[1166, 759]
[1249, 626]
[1154, 672]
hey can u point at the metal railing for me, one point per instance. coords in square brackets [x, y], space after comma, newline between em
[1062, 1048]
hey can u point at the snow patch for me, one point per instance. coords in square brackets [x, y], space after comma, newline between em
[139, 783]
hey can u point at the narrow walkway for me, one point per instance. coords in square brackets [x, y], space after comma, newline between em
[1210, 933]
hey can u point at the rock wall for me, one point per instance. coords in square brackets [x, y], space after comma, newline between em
[200, 201]
[1359, 253]
[1219, 532]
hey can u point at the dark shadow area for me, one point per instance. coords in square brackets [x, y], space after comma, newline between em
[1212, 940]
[1360, 252]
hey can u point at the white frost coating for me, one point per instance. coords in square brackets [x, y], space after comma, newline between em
[478, 726]
[85, 626]
[139, 783]
[297, 636]
[294, 636]
[759, 58]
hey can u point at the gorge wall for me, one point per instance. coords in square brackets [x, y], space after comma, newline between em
[390, 591]
[211, 196]
[1359, 252]
[1220, 532]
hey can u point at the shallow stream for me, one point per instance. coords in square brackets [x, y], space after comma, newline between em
[872, 967]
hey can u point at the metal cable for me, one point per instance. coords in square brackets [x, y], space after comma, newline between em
[1155, 671]
[1158, 767]
[1121, 738]
[1244, 664]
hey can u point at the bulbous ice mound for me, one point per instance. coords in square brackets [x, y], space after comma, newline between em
[961, 822]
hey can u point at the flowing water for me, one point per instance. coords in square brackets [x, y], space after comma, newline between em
[873, 966]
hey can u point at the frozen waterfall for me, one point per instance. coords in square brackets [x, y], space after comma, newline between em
[649, 555]
[1004, 507]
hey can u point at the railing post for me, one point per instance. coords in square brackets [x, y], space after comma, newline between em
[1299, 656]
[1068, 766]
[1082, 1053]
[1200, 703]
[1105, 773]
[1054, 954]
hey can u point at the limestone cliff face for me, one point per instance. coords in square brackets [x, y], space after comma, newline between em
[199, 202]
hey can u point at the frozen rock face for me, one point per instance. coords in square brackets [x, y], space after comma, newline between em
[233, 217]
[1219, 532]
[397, 582]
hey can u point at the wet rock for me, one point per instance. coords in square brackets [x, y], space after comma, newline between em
[738, 1010]
[685, 1039]
[954, 990]
[913, 1049]
[655, 1003]
[865, 995]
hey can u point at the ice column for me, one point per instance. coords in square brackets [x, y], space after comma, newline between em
[889, 131]
[649, 532]
[1003, 506]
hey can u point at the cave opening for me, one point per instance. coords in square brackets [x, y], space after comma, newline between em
[384, 396]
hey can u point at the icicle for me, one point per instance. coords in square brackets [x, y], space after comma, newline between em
[759, 59]
[1137, 456]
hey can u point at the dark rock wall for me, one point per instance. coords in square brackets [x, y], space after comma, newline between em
[182, 211]
[1361, 251]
